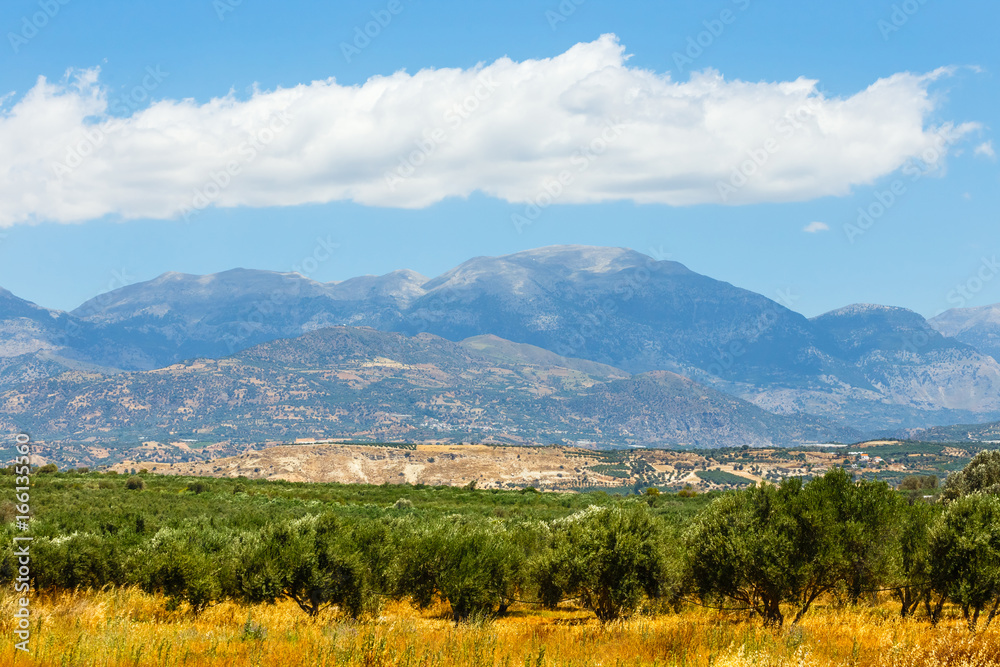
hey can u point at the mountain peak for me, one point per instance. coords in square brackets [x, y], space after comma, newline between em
[978, 326]
[526, 271]
[592, 259]
[229, 275]
[402, 284]
[867, 309]
[171, 289]
[861, 315]
[956, 320]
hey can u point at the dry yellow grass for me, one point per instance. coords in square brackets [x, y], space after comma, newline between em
[126, 627]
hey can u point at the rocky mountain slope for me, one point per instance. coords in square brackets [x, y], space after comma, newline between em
[978, 327]
[865, 367]
[910, 364]
[36, 342]
[362, 383]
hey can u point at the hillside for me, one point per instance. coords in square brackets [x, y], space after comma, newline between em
[908, 362]
[984, 433]
[361, 383]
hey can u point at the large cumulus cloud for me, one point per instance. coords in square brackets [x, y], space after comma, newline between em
[582, 126]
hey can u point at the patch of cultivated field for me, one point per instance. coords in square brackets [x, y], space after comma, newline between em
[554, 467]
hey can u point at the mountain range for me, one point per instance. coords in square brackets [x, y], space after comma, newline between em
[359, 383]
[666, 330]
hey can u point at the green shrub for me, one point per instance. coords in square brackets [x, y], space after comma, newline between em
[8, 510]
[135, 483]
[687, 492]
[981, 474]
[180, 567]
[919, 482]
[313, 561]
[473, 565]
[609, 557]
[767, 545]
[77, 561]
[965, 555]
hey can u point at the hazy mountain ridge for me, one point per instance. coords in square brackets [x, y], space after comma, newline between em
[978, 327]
[36, 343]
[989, 433]
[615, 306]
[26, 328]
[863, 366]
[909, 362]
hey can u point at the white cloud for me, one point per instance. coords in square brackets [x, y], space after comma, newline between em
[814, 227]
[506, 129]
[986, 149]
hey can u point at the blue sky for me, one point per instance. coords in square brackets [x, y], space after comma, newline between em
[931, 248]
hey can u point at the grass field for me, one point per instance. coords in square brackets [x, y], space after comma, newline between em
[120, 624]
[127, 627]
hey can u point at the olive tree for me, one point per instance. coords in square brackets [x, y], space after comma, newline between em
[860, 525]
[767, 545]
[911, 577]
[964, 548]
[182, 564]
[743, 549]
[609, 557]
[312, 561]
[473, 565]
[981, 474]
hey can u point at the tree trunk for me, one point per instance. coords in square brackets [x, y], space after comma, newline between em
[935, 612]
[993, 612]
[908, 601]
[806, 605]
[772, 613]
[902, 594]
[310, 606]
[972, 619]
